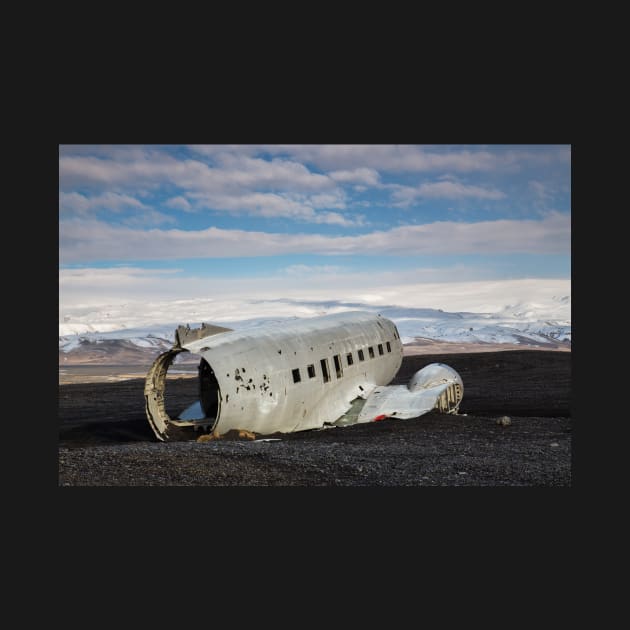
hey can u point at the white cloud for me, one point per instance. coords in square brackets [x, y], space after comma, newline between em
[179, 203]
[335, 199]
[235, 173]
[367, 176]
[284, 182]
[414, 158]
[302, 270]
[445, 189]
[149, 217]
[98, 277]
[402, 158]
[75, 171]
[249, 172]
[544, 195]
[121, 152]
[297, 207]
[84, 240]
[218, 150]
[541, 191]
[76, 203]
[238, 183]
[335, 218]
[236, 166]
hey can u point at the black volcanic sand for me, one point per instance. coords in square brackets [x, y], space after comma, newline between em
[104, 437]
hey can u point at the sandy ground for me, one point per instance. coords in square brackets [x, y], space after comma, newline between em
[104, 438]
[114, 373]
[82, 372]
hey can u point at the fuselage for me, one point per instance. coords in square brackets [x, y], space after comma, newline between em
[294, 375]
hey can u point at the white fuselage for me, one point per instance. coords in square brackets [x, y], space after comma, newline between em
[273, 378]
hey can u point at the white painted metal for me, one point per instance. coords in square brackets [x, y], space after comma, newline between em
[254, 370]
[271, 378]
[436, 386]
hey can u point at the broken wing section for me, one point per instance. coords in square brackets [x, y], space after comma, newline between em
[435, 386]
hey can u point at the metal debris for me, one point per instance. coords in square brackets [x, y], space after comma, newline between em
[334, 371]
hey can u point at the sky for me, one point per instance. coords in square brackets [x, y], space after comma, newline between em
[458, 227]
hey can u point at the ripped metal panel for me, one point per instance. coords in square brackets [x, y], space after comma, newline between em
[298, 375]
[270, 379]
[255, 370]
[186, 334]
[436, 386]
[396, 401]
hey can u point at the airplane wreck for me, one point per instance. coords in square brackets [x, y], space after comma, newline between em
[302, 374]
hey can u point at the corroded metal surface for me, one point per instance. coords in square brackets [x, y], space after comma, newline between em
[154, 386]
[436, 386]
[297, 375]
[256, 368]
[186, 334]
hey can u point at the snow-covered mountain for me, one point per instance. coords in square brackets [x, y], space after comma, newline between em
[127, 336]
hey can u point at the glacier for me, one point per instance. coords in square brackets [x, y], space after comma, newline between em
[531, 323]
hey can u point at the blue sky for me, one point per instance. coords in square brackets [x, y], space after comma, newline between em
[170, 221]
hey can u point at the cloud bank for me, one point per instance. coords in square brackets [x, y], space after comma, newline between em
[82, 241]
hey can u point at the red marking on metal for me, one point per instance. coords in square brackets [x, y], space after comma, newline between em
[381, 417]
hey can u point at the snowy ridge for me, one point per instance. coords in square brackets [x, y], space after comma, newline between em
[522, 323]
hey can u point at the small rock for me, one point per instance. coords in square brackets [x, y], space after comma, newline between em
[504, 421]
[462, 473]
[554, 444]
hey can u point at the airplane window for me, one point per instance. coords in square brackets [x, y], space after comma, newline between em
[338, 370]
[311, 371]
[389, 346]
[380, 348]
[325, 373]
[371, 352]
[361, 355]
[296, 375]
[349, 358]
